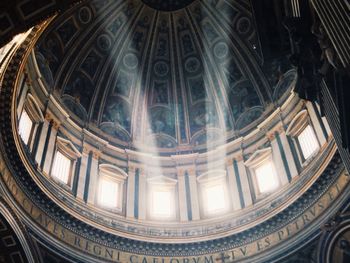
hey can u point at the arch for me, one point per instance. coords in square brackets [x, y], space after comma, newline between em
[17, 228]
[34, 109]
[297, 123]
[161, 179]
[68, 145]
[258, 157]
[112, 170]
[206, 176]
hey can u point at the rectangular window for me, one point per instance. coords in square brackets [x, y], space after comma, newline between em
[25, 127]
[162, 204]
[308, 142]
[214, 198]
[61, 167]
[108, 193]
[266, 178]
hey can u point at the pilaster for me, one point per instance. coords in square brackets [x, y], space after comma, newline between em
[130, 198]
[233, 186]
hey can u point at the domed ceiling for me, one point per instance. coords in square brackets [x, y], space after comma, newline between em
[170, 74]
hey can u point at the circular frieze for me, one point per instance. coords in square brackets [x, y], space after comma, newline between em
[192, 65]
[85, 15]
[243, 25]
[104, 42]
[130, 61]
[221, 50]
[161, 68]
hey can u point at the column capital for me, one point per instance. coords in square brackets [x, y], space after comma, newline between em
[181, 170]
[96, 153]
[51, 119]
[270, 135]
[142, 171]
[238, 158]
[131, 169]
[229, 162]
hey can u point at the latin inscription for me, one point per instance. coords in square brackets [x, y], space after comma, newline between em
[115, 255]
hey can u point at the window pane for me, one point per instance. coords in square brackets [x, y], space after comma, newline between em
[61, 167]
[214, 198]
[25, 127]
[108, 195]
[162, 204]
[266, 178]
[308, 142]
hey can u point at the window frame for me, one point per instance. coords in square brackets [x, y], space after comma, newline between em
[30, 137]
[297, 140]
[212, 178]
[116, 175]
[67, 149]
[253, 163]
[71, 168]
[162, 184]
[31, 107]
[298, 125]
[274, 174]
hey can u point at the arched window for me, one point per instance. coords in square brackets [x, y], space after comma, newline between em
[25, 127]
[263, 173]
[304, 136]
[64, 161]
[111, 186]
[213, 191]
[29, 121]
[308, 142]
[161, 198]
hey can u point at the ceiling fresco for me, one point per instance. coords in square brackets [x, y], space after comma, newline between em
[169, 75]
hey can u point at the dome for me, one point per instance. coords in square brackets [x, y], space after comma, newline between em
[172, 76]
[171, 110]
[156, 131]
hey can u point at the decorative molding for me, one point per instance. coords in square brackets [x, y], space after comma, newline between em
[298, 123]
[34, 108]
[258, 157]
[112, 170]
[67, 146]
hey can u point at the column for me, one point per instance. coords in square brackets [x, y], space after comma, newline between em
[233, 187]
[142, 194]
[82, 174]
[36, 137]
[75, 179]
[130, 193]
[243, 177]
[23, 95]
[289, 155]
[279, 163]
[41, 142]
[93, 182]
[194, 194]
[49, 153]
[182, 195]
[316, 123]
[323, 120]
